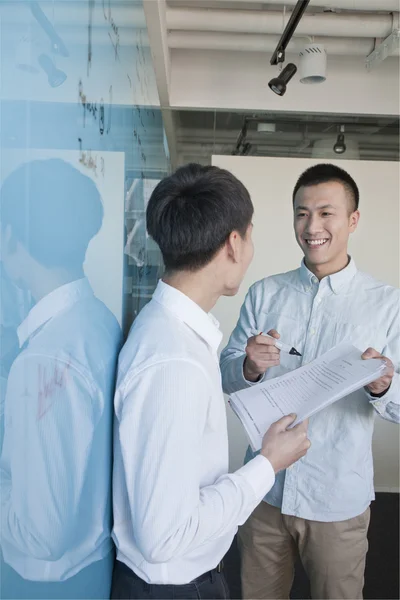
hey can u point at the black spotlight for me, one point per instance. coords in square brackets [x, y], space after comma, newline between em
[278, 84]
[340, 146]
[55, 76]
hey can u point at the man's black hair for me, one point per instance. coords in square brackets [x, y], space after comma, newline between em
[54, 211]
[192, 212]
[324, 173]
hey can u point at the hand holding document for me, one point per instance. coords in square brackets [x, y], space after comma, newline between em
[284, 444]
[305, 391]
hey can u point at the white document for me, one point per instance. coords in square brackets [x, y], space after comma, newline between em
[305, 391]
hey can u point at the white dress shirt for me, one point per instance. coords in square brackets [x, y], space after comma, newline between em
[334, 481]
[176, 508]
[55, 466]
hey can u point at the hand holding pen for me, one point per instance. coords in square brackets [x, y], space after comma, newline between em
[281, 345]
[263, 352]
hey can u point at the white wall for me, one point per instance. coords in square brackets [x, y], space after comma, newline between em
[375, 247]
[239, 80]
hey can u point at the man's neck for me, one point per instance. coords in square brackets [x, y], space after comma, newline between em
[199, 286]
[321, 271]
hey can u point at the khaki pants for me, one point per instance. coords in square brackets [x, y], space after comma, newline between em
[333, 555]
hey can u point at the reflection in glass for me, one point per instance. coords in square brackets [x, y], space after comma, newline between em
[13, 308]
[56, 458]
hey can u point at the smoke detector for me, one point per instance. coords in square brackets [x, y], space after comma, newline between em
[313, 64]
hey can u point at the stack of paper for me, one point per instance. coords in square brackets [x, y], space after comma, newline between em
[305, 391]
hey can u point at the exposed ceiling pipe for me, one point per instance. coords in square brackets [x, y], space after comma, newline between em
[267, 22]
[208, 40]
[368, 5]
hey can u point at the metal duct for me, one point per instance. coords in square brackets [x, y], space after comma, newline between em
[266, 22]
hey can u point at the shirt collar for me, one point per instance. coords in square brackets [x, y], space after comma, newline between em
[337, 280]
[52, 304]
[307, 278]
[190, 313]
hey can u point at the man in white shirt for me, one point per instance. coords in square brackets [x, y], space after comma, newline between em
[55, 466]
[319, 508]
[176, 508]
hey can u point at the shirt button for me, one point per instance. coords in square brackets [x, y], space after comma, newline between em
[312, 331]
[318, 300]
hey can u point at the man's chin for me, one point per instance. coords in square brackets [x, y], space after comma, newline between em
[230, 291]
[316, 260]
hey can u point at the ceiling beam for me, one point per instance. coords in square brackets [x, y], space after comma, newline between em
[155, 13]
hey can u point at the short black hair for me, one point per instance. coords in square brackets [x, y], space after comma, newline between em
[191, 214]
[54, 211]
[324, 173]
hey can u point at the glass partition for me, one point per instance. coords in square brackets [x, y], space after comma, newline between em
[82, 146]
[202, 133]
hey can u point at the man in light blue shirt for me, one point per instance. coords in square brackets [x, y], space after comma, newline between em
[319, 507]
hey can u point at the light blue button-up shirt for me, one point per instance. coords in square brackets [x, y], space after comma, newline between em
[334, 481]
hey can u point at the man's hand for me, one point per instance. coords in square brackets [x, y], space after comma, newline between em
[261, 354]
[283, 446]
[381, 385]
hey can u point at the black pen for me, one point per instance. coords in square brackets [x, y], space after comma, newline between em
[282, 346]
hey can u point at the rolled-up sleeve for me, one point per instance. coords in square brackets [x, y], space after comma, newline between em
[388, 405]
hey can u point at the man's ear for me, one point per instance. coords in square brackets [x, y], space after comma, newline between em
[233, 246]
[354, 219]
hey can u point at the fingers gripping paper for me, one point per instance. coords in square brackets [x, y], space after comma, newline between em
[305, 391]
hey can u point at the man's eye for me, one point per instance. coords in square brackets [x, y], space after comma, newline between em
[326, 214]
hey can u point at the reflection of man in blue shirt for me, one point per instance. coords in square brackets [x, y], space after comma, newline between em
[56, 458]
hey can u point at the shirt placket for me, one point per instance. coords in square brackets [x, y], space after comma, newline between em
[317, 292]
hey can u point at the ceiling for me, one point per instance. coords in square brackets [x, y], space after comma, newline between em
[345, 27]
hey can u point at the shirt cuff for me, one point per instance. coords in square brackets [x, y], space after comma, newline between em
[392, 394]
[259, 474]
[246, 381]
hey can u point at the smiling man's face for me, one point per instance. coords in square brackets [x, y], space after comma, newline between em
[324, 218]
